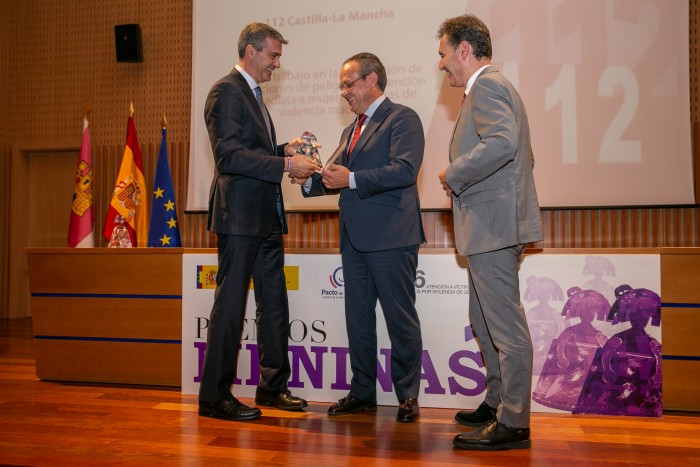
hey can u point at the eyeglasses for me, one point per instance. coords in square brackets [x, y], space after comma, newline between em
[346, 86]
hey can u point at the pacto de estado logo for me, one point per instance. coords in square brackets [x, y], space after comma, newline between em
[337, 282]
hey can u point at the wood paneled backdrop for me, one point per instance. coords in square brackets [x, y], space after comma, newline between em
[56, 56]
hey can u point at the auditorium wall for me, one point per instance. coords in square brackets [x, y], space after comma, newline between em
[57, 58]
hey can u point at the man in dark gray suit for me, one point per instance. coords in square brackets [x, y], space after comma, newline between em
[496, 214]
[246, 212]
[381, 229]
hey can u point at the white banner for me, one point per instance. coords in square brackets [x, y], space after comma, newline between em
[453, 373]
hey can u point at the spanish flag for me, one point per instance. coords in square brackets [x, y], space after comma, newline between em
[126, 224]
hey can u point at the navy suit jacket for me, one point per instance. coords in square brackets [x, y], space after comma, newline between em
[248, 166]
[384, 211]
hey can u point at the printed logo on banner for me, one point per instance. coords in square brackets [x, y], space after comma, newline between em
[206, 277]
[425, 286]
[337, 282]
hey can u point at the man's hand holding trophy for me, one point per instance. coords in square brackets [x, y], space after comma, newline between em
[305, 147]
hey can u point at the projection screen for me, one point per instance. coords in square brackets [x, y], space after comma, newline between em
[605, 84]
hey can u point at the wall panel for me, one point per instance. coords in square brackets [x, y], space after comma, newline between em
[58, 55]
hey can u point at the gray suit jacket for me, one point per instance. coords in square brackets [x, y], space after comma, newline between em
[495, 203]
[384, 211]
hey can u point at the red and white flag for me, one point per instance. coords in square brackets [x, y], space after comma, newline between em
[82, 216]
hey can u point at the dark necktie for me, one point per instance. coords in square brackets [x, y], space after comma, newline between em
[258, 96]
[356, 134]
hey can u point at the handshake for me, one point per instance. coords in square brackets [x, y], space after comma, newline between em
[305, 160]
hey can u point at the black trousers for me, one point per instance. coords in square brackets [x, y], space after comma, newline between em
[241, 258]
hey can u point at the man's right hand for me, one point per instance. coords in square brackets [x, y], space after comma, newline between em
[302, 166]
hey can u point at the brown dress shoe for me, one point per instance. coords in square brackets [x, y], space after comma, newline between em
[409, 411]
[483, 415]
[350, 404]
[228, 410]
[494, 437]
[282, 399]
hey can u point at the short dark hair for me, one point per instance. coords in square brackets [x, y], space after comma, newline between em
[467, 28]
[368, 63]
[255, 34]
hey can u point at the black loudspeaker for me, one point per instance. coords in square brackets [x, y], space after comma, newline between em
[127, 38]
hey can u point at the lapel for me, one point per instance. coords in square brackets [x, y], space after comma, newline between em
[253, 103]
[372, 125]
[339, 156]
[467, 103]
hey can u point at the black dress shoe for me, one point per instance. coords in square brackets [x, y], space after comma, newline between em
[494, 437]
[350, 404]
[483, 415]
[228, 410]
[409, 411]
[282, 399]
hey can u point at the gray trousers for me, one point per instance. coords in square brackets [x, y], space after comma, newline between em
[498, 319]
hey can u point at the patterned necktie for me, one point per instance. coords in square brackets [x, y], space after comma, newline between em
[356, 134]
[258, 96]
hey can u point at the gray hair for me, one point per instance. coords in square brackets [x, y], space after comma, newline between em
[255, 34]
[369, 63]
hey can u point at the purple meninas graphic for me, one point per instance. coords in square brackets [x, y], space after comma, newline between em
[572, 352]
[544, 320]
[625, 376]
[598, 267]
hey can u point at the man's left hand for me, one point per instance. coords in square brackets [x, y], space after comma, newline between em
[336, 176]
[445, 186]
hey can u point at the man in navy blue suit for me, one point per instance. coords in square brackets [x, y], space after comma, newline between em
[381, 229]
[246, 211]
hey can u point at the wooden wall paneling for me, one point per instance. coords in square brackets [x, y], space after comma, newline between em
[109, 362]
[680, 328]
[76, 42]
[65, 269]
[110, 315]
[680, 276]
[680, 390]
[5, 221]
[50, 190]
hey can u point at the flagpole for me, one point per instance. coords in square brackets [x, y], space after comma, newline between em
[86, 110]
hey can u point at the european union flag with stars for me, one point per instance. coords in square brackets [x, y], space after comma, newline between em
[163, 231]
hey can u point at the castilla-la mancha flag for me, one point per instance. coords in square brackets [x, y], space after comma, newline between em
[82, 216]
[126, 224]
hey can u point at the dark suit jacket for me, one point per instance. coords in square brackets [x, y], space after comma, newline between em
[384, 211]
[248, 167]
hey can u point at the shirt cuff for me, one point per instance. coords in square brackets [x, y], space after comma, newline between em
[307, 185]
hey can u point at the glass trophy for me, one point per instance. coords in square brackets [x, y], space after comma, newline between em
[308, 148]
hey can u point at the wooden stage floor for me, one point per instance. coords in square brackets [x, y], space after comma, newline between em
[52, 423]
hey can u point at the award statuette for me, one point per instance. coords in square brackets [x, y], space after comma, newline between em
[308, 148]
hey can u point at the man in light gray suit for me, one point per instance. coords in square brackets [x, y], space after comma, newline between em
[496, 214]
